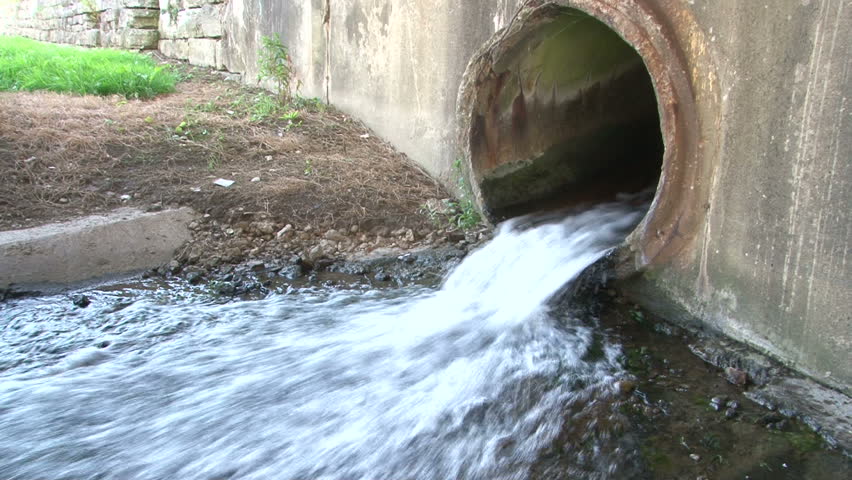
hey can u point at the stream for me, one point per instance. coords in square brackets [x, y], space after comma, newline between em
[477, 378]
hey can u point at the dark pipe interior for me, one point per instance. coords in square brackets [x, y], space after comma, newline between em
[571, 120]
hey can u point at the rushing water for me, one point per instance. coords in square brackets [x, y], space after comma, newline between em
[475, 380]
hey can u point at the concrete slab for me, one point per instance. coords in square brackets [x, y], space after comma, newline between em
[123, 241]
[826, 411]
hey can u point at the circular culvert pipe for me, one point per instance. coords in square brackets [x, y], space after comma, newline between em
[576, 101]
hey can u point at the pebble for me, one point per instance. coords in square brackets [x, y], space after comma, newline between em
[736, 376]
[716, 403]
[695, 456]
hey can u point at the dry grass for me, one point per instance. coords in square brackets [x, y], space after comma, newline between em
[63, 156]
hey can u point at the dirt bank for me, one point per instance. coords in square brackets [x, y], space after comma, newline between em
[308, 180]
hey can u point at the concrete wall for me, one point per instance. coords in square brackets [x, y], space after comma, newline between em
[750, 232]
[129, 24]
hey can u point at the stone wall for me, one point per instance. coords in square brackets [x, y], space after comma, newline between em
[131, 24]
[193, 30]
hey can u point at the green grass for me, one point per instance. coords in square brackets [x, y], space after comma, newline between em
[27, 65]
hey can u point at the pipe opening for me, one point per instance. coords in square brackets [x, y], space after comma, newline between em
[568, 115]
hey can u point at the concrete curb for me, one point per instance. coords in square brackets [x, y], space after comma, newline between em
[123, 241]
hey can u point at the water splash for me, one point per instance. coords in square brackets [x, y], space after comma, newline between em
[473, 380]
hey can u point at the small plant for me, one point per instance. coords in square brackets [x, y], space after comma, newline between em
[309, 168]
[262, 108]
[92, 11]
[274, 63]
[466, 215]
[291, 115]
[314, 104]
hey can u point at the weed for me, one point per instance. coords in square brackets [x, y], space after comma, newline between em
[274, 63]
[92, 11]
[291, 115]
[466, 215]
[27, 65]
[314, 104]
[309, 168]
[173, 12]
[209, 106]
[262, 108]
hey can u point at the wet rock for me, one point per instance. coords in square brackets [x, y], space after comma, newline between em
[736, 376]
[174, 267]
[717, 403]
[625, 387]
[256, 266]
[81, 301]
[291, 272]
[769, 419]
[194, 276]
[382, 277]
[781, 426]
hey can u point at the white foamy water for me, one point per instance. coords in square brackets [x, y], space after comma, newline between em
[472, 380]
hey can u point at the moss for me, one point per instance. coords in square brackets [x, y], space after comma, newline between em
[655, 458]
[804, 442]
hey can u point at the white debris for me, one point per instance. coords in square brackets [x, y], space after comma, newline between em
[366, 135]
[125, 197]
[223, 182]
[196, 189]
[255, 179]
[268, 158]
[287, 228]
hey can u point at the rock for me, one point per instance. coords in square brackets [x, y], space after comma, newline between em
[695, 457]
[781, 426]
[194, 277]
[769, 419]
[81, 301]
[382, 277]
[174, 267]
[717, 403]
[264, 228]
[334, 236]
[625, 387]
[736, 376]
[291, 272]
[730, 413]
[284, 231]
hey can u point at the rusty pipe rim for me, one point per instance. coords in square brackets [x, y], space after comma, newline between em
[676, 213]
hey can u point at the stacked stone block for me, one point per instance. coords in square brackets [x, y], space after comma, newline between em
[131, 24]
[192, 30]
